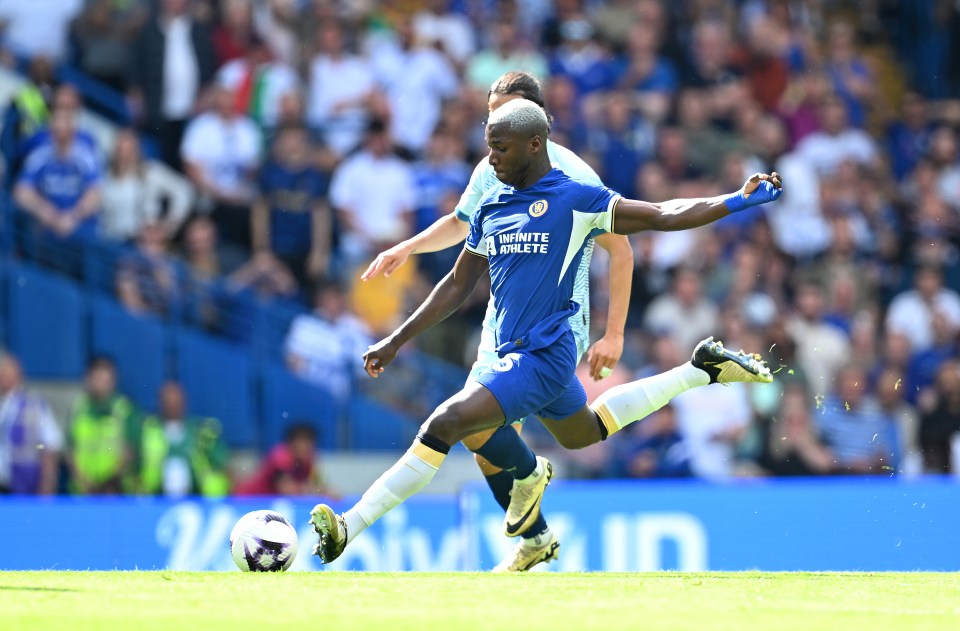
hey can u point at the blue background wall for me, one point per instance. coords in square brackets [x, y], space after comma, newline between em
[844, 524]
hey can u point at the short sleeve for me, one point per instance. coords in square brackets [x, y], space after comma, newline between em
[600, 203]
[470, 199]
[31, 168]
[476, 244]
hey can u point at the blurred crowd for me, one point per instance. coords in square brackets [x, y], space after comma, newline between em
[283, 143]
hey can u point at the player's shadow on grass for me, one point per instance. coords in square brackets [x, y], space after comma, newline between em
[27, 588]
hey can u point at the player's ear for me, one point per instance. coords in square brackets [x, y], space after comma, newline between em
[536, 144]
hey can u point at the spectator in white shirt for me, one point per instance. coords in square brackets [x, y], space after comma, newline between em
[683, 312]
[221, 151]
[417, 79]
[138, 192]
[451, 31]
[38, 27]
[340, 84]
[373, 193]
[912, 312]
[837, 141]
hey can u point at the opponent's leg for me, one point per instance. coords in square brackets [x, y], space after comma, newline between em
[472, 409]
[538, 543]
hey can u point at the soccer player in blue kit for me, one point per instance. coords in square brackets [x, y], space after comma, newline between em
[538, 543]
[529, 234]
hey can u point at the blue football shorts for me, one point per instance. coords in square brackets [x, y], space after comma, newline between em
[541, 382]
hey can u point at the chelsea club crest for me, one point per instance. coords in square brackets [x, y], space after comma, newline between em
[538, 208]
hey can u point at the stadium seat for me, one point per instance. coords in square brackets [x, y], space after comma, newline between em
[287, 399]
[47, 323]
[217, 377]
[374, 426]
[137, 343]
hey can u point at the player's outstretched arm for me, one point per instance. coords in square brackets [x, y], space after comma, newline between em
[633, 215]
[446, 297]
[444, 233]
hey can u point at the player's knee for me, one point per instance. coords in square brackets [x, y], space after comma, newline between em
[446, 423]
[475, 441]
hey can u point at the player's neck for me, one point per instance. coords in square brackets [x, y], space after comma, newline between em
[534, 174]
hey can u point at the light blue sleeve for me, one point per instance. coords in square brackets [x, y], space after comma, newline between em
[475, 241]
[480, 182]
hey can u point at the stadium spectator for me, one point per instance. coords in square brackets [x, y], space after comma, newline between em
[234, 36]
[908, 136]
[912, 311]
[373, 193]
[581, 59]
[138, 191]
[324, 347]
[651, 77]
[147, 279]
[713, 422]
[653, 448]
[260, 84]
[791, 445]
[836, 141]
[890, 393]
[264, 275]
[103, 34]
[940, 423]
[821, 347]
[623, 141]
[449, 30]
[102, 434]
[37, 27]
[59, 189]
[30, 438]
[221, 151]
[862, 439]
[290, 217]
[417, 79]
[683, 312]
[503, 55]
[850, 74]
[340, 84]
[171, 63]
[25, 115]
[290, 468]
[181, 454]
[924, 365]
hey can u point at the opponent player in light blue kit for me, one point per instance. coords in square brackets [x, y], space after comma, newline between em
[529, 234]
[538, 542]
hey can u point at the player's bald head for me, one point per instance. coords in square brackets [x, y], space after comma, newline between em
[521, 117]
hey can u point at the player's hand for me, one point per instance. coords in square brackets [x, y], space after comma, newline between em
[387, 261]
[604, 355]
[760, 188]
[379, 356]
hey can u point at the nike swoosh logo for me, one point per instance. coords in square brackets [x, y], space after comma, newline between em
[513, 528]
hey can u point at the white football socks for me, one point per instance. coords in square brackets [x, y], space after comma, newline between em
[621, 405]
[411, 473]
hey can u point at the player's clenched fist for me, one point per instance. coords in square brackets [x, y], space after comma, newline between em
[379, 357]
[760, 188]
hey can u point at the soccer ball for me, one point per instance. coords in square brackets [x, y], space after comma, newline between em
[263, 541]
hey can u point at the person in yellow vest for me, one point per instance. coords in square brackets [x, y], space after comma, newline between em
[103, 429]
[180, 454]
[27, 113]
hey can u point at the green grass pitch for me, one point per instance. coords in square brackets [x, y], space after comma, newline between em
[461, 602]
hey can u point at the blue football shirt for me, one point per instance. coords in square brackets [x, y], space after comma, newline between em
[291, 195]
[533, 239]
